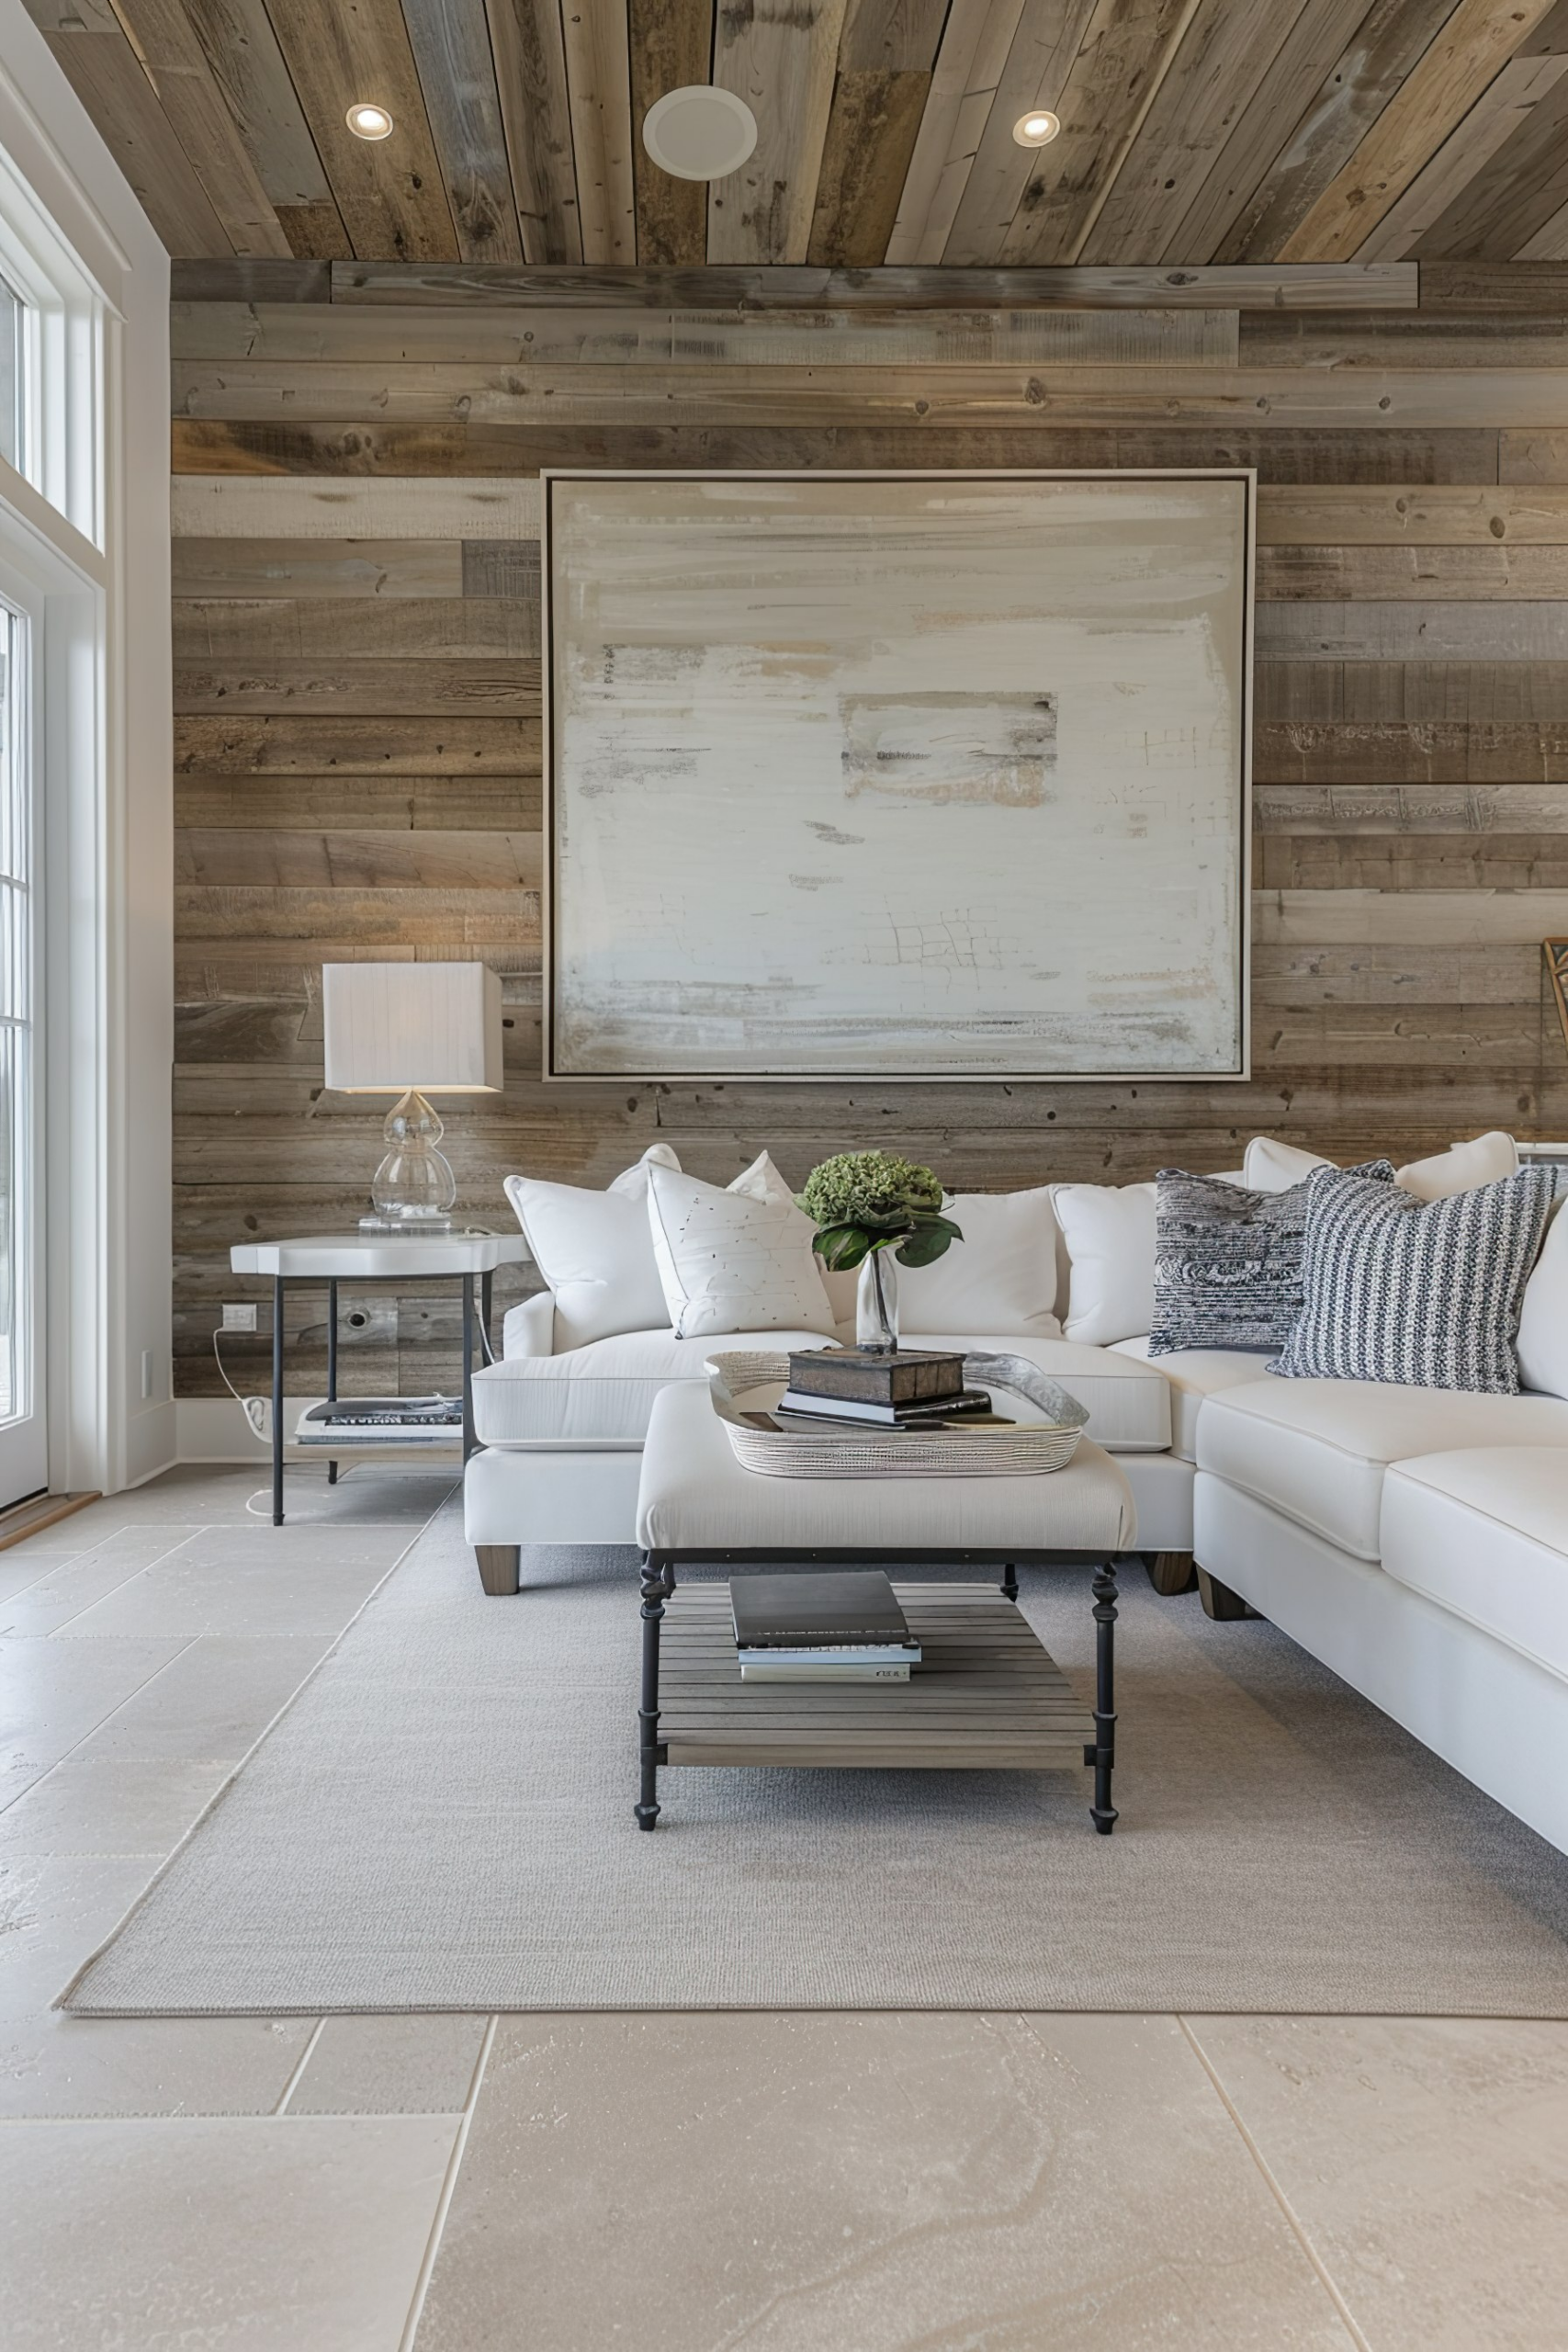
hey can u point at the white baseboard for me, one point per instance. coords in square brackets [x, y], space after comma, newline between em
[152, 1443]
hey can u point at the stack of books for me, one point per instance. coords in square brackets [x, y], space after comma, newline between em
[837, 1628]
[382, 1421]
[910, 1389]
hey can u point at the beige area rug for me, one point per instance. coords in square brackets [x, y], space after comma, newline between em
[443, 1820]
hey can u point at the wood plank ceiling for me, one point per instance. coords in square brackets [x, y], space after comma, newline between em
[1192, 130]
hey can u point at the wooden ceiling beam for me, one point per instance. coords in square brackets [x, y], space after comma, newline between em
[1253, 286]
[1475, 43]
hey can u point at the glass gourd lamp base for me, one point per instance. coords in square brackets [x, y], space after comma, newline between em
[413, 1188]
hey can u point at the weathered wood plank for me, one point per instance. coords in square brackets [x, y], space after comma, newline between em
[627, 338]
[1517, 193]
[780, 63]
[1409, 917]
[1400, 976]
[1425, 752]
[1281, 454]
[224, 506]
[1399, 861]
[1431, 631]
[530, 71]
[969, 65]
[1450, 516]
[598, 92]
[307, 745]
[368, 917]
[1252, 286]
[344, 859]
[325, 682]
[356, 569]
[226, 631]
[671, 45]
[1402, 339]
[461, 804]
[1533, 457]
[203, 122]
[1357, 809]
[1477, 39]
[389, 191]
[1048, 37]
[91, 47]
[243, 278]
[1376, 60]
[1493, 285]
[1459, 1037]
[457, 70]
[415, 392]
[1433, 574]
[1502, 111]
[315, 231]
[885, 58]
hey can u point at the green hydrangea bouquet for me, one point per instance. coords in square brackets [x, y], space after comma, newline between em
[863, 1202]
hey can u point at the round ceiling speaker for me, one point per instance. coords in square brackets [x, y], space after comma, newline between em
[698, 134]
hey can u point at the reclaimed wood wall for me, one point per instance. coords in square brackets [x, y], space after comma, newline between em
[357, 674]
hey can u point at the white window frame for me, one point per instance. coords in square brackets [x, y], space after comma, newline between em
[61, 363]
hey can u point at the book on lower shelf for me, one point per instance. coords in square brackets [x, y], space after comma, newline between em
[380, 1420]
[843, 1627]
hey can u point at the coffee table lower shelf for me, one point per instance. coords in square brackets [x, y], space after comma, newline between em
[987, 1695]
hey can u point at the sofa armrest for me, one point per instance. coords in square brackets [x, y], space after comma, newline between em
[530, 1327]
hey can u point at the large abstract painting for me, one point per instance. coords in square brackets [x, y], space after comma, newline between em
[902, 776]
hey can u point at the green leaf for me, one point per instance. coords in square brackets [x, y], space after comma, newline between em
[841, 1247]
[923, 1247]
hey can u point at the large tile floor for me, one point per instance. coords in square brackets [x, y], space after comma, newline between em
[788, 2183]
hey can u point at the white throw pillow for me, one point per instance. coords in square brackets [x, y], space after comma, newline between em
[999, 1282]
[1544, 1318]
[1464, 1169]
[734, 1261]
[595, 1251]
[1272, 1167]
[1110, 1232]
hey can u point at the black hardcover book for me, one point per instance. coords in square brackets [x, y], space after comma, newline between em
[910, 1375]
[827, 1612]
[795, 1401]
[367, 1412]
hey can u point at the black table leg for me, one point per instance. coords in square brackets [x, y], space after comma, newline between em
[332, 1364]
[1103, 1755]
[469, 1442]
[1010, 1580]
[658, 1584]
[278, 1400]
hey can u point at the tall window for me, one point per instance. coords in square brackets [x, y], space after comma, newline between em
[13, 320]
[18, 1106]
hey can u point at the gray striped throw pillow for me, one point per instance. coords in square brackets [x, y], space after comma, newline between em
[1423, 1291]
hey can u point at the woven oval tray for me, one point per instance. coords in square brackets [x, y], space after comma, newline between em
[750, 1381]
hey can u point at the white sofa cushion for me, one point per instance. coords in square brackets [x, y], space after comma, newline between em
[1000, 1277]
[1485, 1534]
[604, 1393]
[1317, 1449]
[1542, 1343]
[529, 1328]
[1274, 1167]
[1194, 1373]
[595, 1251]
[734, 1261]
[1109, 1233]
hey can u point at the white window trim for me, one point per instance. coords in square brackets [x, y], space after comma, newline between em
[62, 359]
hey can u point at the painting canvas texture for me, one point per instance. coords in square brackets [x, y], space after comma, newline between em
[931, 776]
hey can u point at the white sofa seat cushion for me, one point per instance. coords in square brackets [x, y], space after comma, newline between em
[1485, 1534]
[695, 1495]
[1319, 1449]
[603, 1393]
[1194, 1373]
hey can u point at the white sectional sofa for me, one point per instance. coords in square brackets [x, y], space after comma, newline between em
[1415, 1540]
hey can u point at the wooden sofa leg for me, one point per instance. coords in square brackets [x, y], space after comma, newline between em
[1220, 1601]
[501, 1566]
[1171, 1572]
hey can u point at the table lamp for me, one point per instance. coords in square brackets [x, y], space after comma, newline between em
[411, 1030]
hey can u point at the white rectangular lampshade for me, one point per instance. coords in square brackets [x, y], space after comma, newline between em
[390, 1026]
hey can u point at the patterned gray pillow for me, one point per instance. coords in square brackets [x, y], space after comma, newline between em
[1228, 1261]
[1423, 1291]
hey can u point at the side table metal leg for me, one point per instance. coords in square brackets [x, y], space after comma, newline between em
[1010, 1580]
[1103, 1755]
[278, 1400]
[468, 1439]
[658, 1584]
[332, 1364]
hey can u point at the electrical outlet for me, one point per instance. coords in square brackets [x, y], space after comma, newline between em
[239, 1318]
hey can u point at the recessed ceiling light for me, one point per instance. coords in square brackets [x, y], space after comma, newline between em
[369, 122]
[1036, 129]
[698, 134]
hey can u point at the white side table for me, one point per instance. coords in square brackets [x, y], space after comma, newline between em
[374, 1258]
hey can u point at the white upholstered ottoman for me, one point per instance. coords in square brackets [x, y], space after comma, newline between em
[695, 1503]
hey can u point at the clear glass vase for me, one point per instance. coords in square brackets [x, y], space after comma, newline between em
[876, 1304]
